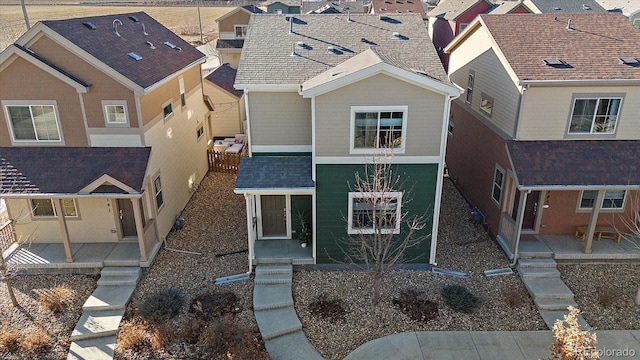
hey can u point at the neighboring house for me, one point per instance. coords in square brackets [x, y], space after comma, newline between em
[324, 94]
[546, 138]
[398, 7]
[101, 131]
[228, 114]
[284, 6]
[562, 6]
[511, 7]
[232, 29]
[629, 8]
[450, 18]
[334, 7]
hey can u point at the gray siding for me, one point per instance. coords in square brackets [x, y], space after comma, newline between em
[424, 122]
[492, 79]
[279, 118]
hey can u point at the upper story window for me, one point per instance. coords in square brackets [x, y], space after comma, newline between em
[595, 115]
[486, 103]
[167, 110]
[33, 123]
[472, 77]
[241, 31]
[371, 213]
[46, 208]
[183, 99]
[157, 191]
[378, 127]
[115, 113]
[463, 26]
[498, 183]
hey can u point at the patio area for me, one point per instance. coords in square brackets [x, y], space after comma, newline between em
[568, 249]
[282, 251]
[40, 258]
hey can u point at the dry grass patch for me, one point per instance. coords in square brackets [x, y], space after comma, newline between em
[9, 338]
[35, 341]
[56, 299]
[134, 335]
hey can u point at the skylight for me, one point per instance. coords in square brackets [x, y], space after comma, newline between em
[89, 25]
[134, 18]
[169, 44]
[134, 56]
[629, 61]
[557, 63]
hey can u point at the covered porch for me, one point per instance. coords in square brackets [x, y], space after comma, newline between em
[557, 189]
[280, 203]
[567, 249]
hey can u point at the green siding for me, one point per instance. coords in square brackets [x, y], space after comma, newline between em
[281, 154]
[332, 188]
[300, 203]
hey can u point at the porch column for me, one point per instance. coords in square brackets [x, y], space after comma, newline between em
[597, 204]
[250, 223]
[522, 202]
[137, 214]
[64, 230]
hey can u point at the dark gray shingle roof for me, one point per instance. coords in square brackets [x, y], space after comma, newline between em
[156, 64]
[274, 172]
[67, 170]
[266, 56]
[578, 163]
[451, 9]
[224, 76]
[568, 6]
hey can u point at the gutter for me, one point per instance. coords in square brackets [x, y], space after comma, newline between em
[586, 82]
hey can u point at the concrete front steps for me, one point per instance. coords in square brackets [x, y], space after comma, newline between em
[550, 294]
[94, 336]
[277, 320]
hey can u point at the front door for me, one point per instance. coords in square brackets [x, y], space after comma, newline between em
[127, 218]
[530, 209]
[274, 215]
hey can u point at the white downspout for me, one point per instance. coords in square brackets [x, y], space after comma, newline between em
[521, 205]
[250, 216]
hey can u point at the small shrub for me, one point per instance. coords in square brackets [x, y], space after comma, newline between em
[162, 305]
[571, 342]
[460, 299]
[161, 335]
[607, 296]
[35, 341]
[56, 299]
[326, 308]
[214, 304]
[190, 331]
[133, 335]
[9, 338]
[414, 304]
[218, 337]
[514, 296]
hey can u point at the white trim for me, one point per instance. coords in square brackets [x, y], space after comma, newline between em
[84, 119]
[238, 8]
[314, 225]
[580, 209]
[287, 209]
[241, 26]
[267, 87]
[266, 191]
[166, 117]
[585, 82]
[363, 159]
[282, 148]
[106, 179]
[122, 103]
[140, 120]
[493, 183]
[313, 143]
[55, 215]
[183, 94]
[247, 119]
[156, 192]
[379, 109]
[69, 195]
[359, 195]
[598, 99]
[29, 103]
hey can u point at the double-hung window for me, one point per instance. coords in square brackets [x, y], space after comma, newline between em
[157, 190]
[33, 122]
[241, 31]
[498, 183]
[613, 199]
[595, 115]
[378, 127]
[371, 213]
[46, 208]
[470, 81]
[115, 113]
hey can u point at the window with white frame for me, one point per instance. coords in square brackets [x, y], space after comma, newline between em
[498, 183]
[371, 213]
[241, 31]
[450, 127]
[613, 199]
[378, 127]
[33, 122]
[486, 103]
[594, 115]
[46, 208]
[167, 110]
[470, 81]
[115, 112]
[157, 190]
[183, 99]
[200, 132]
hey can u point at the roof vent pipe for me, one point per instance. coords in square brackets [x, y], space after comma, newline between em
[291, 25]
[349, 15]
[144, 29]
[569, 25]
[293, 50]
[115, 24]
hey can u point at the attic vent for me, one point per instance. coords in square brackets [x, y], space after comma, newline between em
[383, 9]
[629, 61]
[169, 44]
[384, 17]
[301, 44]
[367, 41]
[150, 44]
[134, 56]
[399, 2]
[115, 24]
[409, 2]
[586, 7]
[397, 35]
[134, 19]
[556, 63]
[419, 72]
[557, 8]
[89, 25]
[331, 49]
[387, 2]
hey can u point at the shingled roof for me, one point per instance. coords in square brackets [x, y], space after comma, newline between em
[328, 40]
[67, 170]
[224, 76]
[452, 9]
[579, 163]
[567, 6]
[398, 6]
[591, 49]
[229, 43]
[96, 36]
[274, 172]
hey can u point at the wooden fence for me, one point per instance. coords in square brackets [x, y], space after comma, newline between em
[223, 162]
[7, 236]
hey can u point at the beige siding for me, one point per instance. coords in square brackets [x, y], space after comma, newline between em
[231, 57]
[225, 119]
[38, 85]
[151, 104]
[103, 87]
[177, 167]
[546, 112]
[476, 44]
[96, 223]
[239, 18]
[424, 122]
[279, 118]
[492, 79]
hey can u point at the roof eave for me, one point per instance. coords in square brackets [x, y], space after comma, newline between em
[266, 87]
[149, 88]
[579, 82]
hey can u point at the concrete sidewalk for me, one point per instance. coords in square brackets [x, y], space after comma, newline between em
[490, 345]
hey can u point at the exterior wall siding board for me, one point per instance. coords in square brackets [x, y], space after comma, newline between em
[225, 119]
[493, 80]
[546, 112]
[332, 188]
[228, 24]
[279, 118]
[424, 122]
[37, 84]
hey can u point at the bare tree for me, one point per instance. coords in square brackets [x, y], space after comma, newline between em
[630, 228]
[382, 230]
[571, 342]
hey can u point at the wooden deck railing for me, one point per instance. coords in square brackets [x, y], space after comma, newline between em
[507, 230]
[223, 162]
[7, 236]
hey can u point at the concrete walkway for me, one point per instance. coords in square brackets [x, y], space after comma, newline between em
[490, 345]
